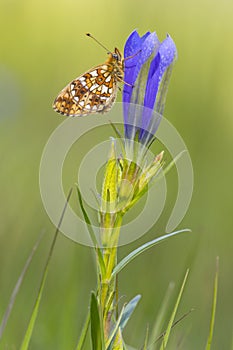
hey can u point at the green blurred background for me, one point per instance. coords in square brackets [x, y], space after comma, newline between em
[43, 46]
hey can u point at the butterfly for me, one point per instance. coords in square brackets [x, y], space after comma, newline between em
[93, 92]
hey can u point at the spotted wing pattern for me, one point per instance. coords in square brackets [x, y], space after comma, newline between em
[93, 92]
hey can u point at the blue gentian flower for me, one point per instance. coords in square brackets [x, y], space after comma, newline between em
[147, 70]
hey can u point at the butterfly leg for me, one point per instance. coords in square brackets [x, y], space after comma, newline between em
[129, 57]
[122, 81]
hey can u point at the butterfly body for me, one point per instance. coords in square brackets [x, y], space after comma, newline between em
[93, 92]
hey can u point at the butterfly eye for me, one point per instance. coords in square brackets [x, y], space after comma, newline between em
[115, 56]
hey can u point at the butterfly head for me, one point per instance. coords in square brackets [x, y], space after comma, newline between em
[115, 59]
[116, 55]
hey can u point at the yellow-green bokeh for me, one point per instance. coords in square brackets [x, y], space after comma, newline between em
[43, 47]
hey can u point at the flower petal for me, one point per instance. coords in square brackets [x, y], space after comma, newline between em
[141, 48]
[166, 55]
[162, 60]
[133, 43]
[147, 75]
[167, 52]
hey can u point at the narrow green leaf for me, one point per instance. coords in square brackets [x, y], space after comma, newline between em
[31, 324]
[97, 336]
[156, 329]
[170, 165]
[173, 325]
[145, 345]
[112, 337]
[124, 317]
[211, 332]
[116, 130]
[142, 249]
[171, 321]
[164, 170]
[101, 261]
[83, 333]
[32, 320]
[129, 308]
[109, 303]
[17, 287]
[91, 233]
[120, 137]
[86, 218]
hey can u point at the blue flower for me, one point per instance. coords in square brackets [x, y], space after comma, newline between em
[147, 70]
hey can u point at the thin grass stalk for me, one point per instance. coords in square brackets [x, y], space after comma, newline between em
[28, 334]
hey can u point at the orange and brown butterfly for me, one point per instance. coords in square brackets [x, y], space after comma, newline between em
[93, 92]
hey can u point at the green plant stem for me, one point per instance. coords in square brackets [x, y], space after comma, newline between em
[211, 331]
[107, 288]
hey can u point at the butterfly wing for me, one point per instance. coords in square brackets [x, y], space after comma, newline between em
[93, 92]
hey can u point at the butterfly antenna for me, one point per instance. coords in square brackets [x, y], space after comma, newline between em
[91, 36]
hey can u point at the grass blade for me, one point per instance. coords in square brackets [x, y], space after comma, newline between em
[91, 233]
[97, 336]
[110, 342]
[17, 287]
[145, 345]
[86, 218]
[211, 332]
[173, 325]
[83, 333]
[120, 137]
[171, 321]
[156, 330]
[28, 334]
[142, 249]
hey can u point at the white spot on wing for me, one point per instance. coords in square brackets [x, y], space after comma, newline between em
[88, 106]
[81, 103]
[94, 73]
[94, 86]
[104, 89]
[108, 78]
[76, 98]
